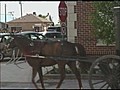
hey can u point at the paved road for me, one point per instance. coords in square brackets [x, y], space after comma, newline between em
[20, 73]
[49, 84]
[12, 77]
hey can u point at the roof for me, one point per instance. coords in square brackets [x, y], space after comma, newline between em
[25, 32]
[4, 34]
[31, 18]
[44, 32]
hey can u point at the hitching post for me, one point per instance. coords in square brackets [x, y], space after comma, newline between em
[117, 28]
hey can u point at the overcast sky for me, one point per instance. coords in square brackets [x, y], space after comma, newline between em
[40, 7]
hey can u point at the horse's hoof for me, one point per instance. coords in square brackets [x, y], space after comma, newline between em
[82, 88]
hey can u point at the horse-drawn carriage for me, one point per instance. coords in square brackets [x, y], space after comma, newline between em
[5, 52]
[14, 53]
[104, 71]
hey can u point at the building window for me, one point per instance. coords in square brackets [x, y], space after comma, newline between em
[75, 24]
[75, 9]
[16, 29]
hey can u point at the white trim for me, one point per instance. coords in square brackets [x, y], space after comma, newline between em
[71, 32]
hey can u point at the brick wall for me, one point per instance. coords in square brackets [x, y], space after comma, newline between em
[84, 31]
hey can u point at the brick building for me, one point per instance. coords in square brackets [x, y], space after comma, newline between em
[80, 30]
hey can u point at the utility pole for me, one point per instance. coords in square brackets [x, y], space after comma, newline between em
[5, 13]
[5, 18]
[0, 12]
[20, 7]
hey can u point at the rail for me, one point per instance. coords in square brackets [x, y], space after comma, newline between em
[71, 58]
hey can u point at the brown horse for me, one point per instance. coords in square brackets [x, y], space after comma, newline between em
[29, 47]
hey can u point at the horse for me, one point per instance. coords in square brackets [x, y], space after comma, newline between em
[45, 48]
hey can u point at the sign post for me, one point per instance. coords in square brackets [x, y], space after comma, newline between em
[63, 28]
[63, 16]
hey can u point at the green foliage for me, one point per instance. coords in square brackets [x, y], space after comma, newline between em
[103, 20]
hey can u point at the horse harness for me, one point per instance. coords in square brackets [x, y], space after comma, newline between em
[35, 45]
[40, 44]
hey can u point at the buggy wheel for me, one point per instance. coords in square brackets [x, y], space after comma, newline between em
[105, 73]
[15, 55]
[1, 56]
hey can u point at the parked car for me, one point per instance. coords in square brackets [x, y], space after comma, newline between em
[53, 35]
[54, 28]
[33, 35]
[4, 40]
[6, 37]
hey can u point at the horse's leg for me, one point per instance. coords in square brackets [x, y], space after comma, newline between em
[34, 73]
[41, 77]
[62, 74]
[74, 69]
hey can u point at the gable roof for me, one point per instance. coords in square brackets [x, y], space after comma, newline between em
[31, 18]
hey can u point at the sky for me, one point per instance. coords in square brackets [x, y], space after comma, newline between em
[28, 7]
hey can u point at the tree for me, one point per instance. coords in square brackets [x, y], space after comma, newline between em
[103, 20]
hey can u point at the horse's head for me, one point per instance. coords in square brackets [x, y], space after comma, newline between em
[22, 42]
[11, 44]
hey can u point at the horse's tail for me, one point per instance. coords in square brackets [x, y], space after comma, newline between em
[80, 49]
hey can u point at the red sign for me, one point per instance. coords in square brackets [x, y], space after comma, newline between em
[62, 11]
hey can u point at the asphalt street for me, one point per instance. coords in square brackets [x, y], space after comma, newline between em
[49, 84]
[13, 77]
